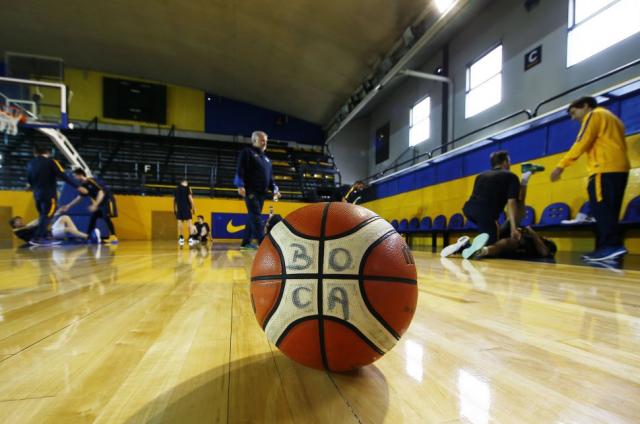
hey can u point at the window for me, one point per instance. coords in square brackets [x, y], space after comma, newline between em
[419, 125]
[382, 143]
[484, 83]
[595, 25]
[444, 5]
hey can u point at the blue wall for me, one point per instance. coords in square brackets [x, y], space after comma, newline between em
[543, 138]
[226, 116]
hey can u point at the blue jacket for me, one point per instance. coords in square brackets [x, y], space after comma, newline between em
[42, 173]
[254, 171]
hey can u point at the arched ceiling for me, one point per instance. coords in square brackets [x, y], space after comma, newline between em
[300, 57]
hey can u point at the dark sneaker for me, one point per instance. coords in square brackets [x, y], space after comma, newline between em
[533, 168]
[476, 245]
[606, 254]
[249, 246]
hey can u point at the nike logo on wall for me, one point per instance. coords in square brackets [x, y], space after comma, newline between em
[233, 228]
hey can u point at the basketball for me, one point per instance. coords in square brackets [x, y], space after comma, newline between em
[334, 286]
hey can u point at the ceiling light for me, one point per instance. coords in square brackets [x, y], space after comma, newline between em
[444, 5]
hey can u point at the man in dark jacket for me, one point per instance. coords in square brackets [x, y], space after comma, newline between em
[254, 177]
[42, 174]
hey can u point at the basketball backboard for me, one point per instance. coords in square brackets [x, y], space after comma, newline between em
[42, 103]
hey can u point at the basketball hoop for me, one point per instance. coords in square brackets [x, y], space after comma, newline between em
[9, 120]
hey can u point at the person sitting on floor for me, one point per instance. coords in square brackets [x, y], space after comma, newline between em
[201, 231]
[62, 228]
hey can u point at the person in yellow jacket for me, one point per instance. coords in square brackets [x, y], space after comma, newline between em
[602, 138]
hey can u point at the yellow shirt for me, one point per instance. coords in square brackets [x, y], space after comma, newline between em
[602, 137]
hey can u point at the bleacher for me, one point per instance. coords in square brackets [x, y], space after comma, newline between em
[535, 140]
[553, 218]
[132, 163]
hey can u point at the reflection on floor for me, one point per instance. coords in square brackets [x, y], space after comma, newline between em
[150, 332]
[629, 262]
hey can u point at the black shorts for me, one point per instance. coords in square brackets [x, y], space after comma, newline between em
[485, 222]
[183, 214]
[105, 208]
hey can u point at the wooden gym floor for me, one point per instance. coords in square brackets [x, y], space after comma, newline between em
[146, 332]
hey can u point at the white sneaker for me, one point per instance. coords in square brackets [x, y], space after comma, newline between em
[453, 248]
[191, 241]
[580, 218]
[95, 237]
[180, 241]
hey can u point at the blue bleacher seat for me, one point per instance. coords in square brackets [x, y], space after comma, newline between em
[632, 213]
[403, 226]
[456, 222]
[425, 224]
[554, 214]
[414, 225]
[394, 224]
[439, 223]
[529, 217]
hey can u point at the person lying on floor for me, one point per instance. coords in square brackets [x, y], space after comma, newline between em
[62, 228]
[505, 242]
[529, 246]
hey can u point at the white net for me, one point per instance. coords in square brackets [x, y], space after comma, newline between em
[9, 120]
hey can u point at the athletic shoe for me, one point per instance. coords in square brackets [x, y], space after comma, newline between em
[192, 241]
[606, 254]
[180, 241]
[533, 168]
[249, 246]
[455, 247]
[112, 239]
[478, 243]
[581, 218]
[94, 237]
[44, 242]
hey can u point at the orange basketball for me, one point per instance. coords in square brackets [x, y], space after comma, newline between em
[334, 286]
